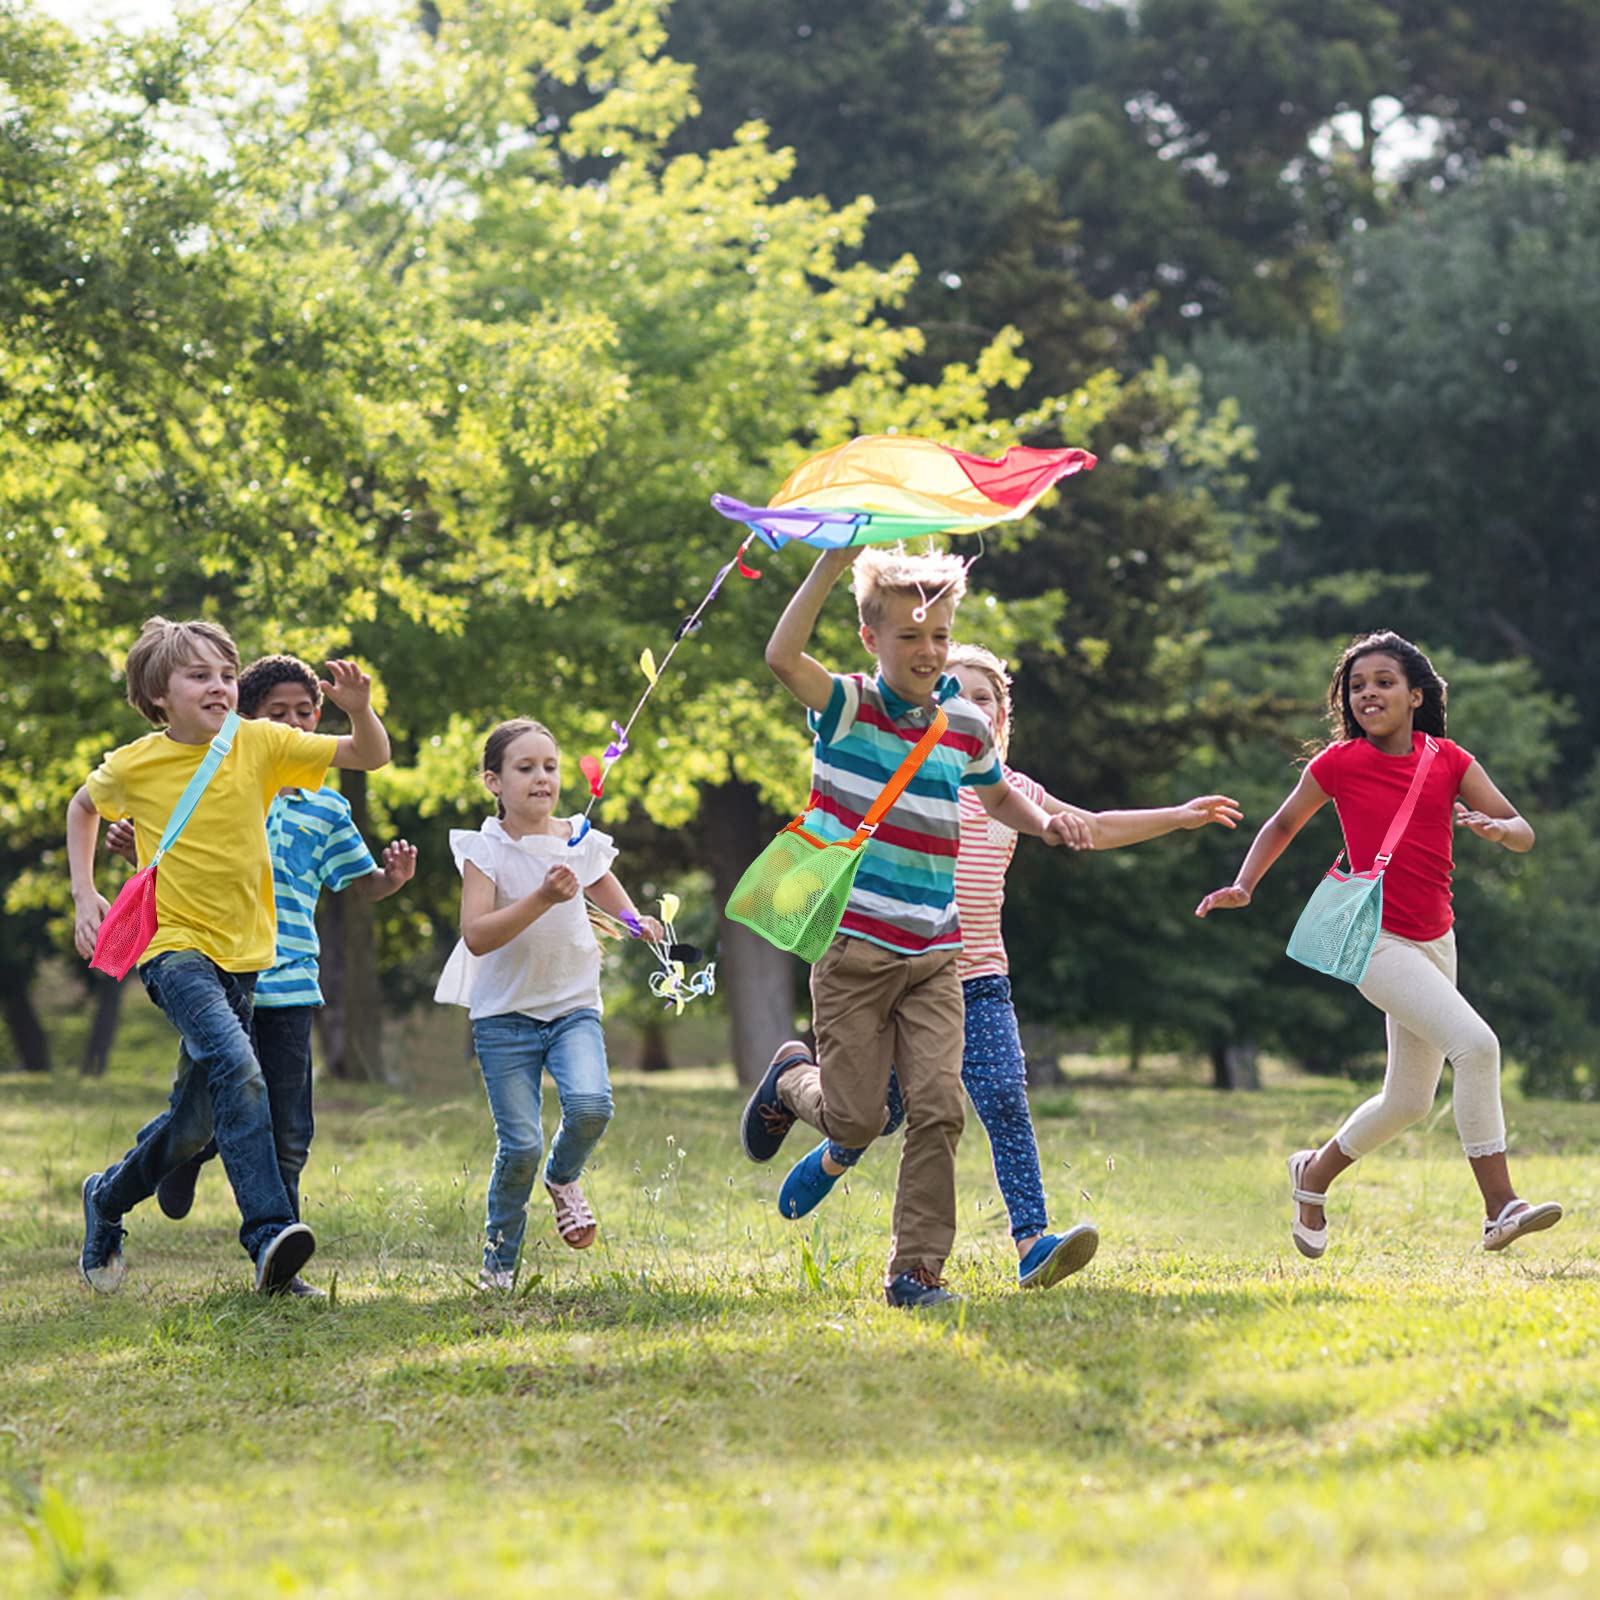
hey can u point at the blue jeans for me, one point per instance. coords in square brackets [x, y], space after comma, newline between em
[995, 1074]
[282, 1039]
[219, 1085]
[513, 1053]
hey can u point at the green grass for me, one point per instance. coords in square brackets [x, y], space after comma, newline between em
[714, 1402]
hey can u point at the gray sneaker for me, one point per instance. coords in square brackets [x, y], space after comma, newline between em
[101, 1262]
[919, 1290]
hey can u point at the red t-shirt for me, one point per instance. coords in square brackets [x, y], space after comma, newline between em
[1367, 788]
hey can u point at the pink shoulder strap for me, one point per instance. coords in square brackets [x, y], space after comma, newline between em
[1430, 749]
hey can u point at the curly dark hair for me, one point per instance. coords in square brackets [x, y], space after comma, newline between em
[260, 678]
[1419, 672]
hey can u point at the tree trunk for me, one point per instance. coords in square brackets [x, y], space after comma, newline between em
[653, 1055]
[106, 993]
[757, 978]
[27, 1032]
[1233, 1064]
[352, 1017]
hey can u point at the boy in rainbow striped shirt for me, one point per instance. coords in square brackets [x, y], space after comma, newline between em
[885, 994]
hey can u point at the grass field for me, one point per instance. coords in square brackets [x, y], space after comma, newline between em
[714, 1402]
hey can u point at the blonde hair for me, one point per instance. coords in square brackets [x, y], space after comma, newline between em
[884, 571]
[975, 657]
[160, 650]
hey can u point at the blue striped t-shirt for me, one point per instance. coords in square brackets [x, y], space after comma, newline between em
[314, 842]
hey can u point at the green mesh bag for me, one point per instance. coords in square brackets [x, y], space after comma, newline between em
[1339, 927]
[794, 893]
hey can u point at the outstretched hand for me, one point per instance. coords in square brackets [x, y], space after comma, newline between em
[1480, 823]
[350, 689]
[399, 862]
[1204, 808]
[1229, 899]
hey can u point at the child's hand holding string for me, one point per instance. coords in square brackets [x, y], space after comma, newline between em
[560, 883]
[654, 933]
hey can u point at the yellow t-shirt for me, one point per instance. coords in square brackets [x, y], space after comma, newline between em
[214, 886]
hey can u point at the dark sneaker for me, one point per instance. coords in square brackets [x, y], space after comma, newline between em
[919, 1290]
[175, 1192]
[282, 1257]
[807, 1185]
[301, 1290]
[767, 1120]
[1055, 1256]
[101, 1262]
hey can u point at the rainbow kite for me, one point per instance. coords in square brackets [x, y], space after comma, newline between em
[883, 487]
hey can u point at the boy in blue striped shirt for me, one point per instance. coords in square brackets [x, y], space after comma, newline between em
[315, 845]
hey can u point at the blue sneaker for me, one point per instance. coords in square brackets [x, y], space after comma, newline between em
[919, 1290]
[1055, 1256]
[767, 1120]
[807, 1185]
[101, 1263]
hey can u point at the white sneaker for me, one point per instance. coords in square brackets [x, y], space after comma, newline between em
[1518, 1218]
[503, 1282]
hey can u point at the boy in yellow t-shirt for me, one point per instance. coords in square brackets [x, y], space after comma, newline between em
[216, 923]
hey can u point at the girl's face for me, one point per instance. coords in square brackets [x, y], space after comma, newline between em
[1380, 697]
[978, 687]
[529, 780]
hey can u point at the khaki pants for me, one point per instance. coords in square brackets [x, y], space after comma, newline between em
[1415, 984]
[873, 1010]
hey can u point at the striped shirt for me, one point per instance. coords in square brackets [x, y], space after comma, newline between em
[314, 843]
[986, 850]
[904, 894]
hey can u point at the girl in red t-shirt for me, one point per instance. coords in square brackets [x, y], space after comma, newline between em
[1384, 699]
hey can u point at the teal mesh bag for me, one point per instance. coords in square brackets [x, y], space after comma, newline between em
[1340, 924]
[794, 893]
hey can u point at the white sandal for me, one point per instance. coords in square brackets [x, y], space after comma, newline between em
[574, 1219]
[1512, 1223]
[1309, 1242]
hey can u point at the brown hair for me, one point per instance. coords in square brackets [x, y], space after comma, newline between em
[994, 669]
[500, 739]
[160, 650]
[883, 571]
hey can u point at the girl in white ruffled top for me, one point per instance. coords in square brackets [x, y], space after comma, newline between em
[528, 970]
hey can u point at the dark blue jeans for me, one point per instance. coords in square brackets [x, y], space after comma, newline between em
[282, 1039]
[219, 1086]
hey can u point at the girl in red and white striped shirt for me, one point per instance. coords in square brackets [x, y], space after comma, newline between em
[993, 1067]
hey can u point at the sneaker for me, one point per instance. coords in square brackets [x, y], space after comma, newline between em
[175, 1192]
[494, 1278]
[1055, 1256]
[1519, 1218]
[807, 1185]
[282, 1257]
[919, 1290]
[767, 1120]
[101, 1262]
[301, 1290]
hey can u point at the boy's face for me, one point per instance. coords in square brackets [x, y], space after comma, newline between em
[911, 654]
[292, 704]
[200, 694]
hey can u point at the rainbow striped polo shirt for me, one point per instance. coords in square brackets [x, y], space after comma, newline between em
[905, 893]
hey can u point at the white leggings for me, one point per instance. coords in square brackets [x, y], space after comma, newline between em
[1414, 985]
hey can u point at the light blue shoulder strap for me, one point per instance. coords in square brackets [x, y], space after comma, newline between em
[204, 773]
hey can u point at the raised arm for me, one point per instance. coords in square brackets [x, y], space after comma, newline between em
[802, 675]
[366, 747]
[1307, 799]
[88, 905]
[1483, 810]
[399, 866]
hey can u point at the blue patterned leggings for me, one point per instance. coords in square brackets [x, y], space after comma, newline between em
[994, 1072]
